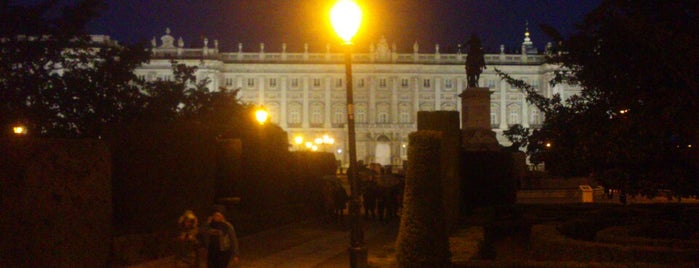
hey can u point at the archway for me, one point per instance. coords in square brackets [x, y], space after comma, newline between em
[383, 151]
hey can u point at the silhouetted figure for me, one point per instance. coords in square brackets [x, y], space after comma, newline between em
[369, 199]
[475, 61]
[222, 242]
[341, 198]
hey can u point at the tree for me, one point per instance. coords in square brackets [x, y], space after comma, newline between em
[55, 79]
[517, 135]
[633, 125]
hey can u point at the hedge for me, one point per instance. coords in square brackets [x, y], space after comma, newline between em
[422, 238]
[550, 245]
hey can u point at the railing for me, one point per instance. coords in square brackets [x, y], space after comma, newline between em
[338, 58]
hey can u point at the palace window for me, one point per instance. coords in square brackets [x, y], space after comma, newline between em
[491, 83]
[426, 83]
[338, 82]
[251, 82]
[316, 114]
[382, 83]
[229, 82]
[514, 116]
[404, 82]
[295, 115]
[273, 82]
[448, 83]
[295, 83]
[360, 82]
[535, 117]
[339, 116]
[360, 114]
[382, 117]
[316, 82]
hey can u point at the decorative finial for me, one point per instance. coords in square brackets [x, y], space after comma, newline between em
[167, 30]
[262, 47]
[240, 47]
[216, 43]
[206, 42]
[180, 42]
[305, 47]
[152, 42]
[283, 47]
[416, 47]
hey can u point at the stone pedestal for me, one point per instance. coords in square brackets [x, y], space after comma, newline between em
[476, 132]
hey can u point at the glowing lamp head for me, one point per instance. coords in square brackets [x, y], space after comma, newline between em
[298, 139]
[19, 130]
[261, 115]
[346, 16]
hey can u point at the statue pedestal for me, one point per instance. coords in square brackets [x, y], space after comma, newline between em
[476, 133]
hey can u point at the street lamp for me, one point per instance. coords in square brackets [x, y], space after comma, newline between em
[346, 16]
[261, 115]
[19, 130]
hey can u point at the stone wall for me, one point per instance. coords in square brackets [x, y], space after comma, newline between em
[56, 203]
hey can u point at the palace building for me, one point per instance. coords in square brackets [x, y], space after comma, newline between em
[304, 92]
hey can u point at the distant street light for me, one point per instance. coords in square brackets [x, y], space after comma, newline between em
[19, 130]
[261, 115]
[346, 16]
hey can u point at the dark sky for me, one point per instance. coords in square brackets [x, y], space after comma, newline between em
[447, 22]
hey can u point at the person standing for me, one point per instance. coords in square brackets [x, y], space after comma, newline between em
[188, 240]
[222, 242]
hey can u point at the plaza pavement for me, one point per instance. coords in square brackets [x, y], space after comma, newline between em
[311, 243]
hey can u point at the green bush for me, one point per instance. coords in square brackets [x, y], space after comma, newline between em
[422, 238]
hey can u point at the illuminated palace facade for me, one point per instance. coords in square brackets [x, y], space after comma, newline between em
[304, 92]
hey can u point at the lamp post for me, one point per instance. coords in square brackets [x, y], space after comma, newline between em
[346, 17]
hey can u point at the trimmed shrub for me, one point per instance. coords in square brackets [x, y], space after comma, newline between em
[422, 237]
[655, 234]
[550, 245]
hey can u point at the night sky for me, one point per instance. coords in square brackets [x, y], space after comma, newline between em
[447, 22]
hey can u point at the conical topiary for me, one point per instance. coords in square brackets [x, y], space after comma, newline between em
[422, 237]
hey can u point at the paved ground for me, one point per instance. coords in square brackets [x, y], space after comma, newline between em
[313, 243]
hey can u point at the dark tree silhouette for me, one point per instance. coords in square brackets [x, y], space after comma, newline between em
[633, 126]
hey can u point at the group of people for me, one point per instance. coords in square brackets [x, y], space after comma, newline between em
[217, 236]
[382, 192]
